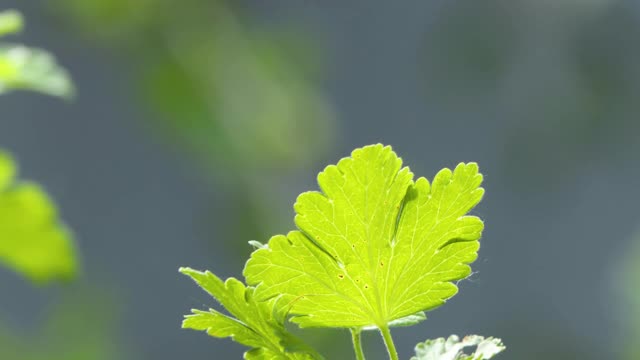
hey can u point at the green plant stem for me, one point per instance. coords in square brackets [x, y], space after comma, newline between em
[357, 343]
[388, 342]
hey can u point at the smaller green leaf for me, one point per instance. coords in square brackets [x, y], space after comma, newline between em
[32, 240]
[259, 325]
[452, 348]
[24, 68]
[10, 22]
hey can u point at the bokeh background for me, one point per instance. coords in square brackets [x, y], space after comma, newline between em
[198, 122]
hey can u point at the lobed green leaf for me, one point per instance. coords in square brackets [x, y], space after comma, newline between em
[374, 246]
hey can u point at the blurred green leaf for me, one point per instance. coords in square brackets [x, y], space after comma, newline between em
[453, 348]
[626, 280]
[226, 92]
[110, 19]
[24, 68]
[10, 22]
[33, 242]
[233, 98]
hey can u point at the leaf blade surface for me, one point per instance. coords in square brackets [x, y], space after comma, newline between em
[373, 246]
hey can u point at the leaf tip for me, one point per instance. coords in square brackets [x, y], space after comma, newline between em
[187, 271]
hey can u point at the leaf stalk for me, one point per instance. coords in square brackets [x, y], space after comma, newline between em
[388, 342]
[357, 343]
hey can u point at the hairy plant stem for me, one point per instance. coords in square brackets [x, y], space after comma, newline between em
[388, 342]
[357, 343]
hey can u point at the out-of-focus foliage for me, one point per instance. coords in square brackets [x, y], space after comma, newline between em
[244, 97]
[79, 327]
[33, 242]
[240, 97]
[25, 68]
[10, 22]
[111, 19]
[628, 286]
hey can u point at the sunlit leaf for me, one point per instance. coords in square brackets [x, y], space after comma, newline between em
[374, 246]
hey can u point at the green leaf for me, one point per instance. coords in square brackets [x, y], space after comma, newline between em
[24, 68]
[10, 22]
[374, 246]
[32, 240]
[259, 325]
[452, 348]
